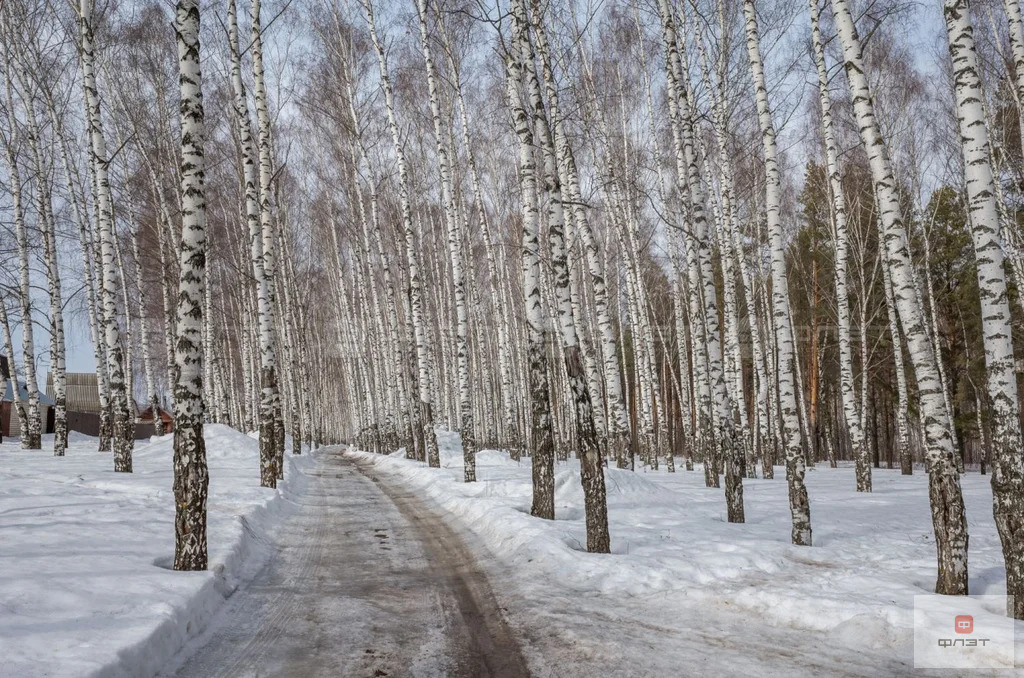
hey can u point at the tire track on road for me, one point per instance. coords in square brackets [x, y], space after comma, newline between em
[366, 581]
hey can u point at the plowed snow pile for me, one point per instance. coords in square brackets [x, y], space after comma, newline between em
[85, 553]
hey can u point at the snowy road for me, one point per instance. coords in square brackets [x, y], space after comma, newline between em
[363, 583]
[685, 593]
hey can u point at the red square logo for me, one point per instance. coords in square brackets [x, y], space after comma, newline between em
[964, 623]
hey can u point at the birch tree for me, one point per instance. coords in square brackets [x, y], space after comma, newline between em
[948, 518]
[1015, 26]
[148, 367]
[270, 394]
[423, 376]
[493, 272]
[799, 506]
[254, 223]
[902, 423]
[79, 212]
[591, 470]
[541, 434]
[1007, 461]
[44, 212]
[705, 336]
[30, 433]
[453, 224]
[191, 476]
[851, 416]
[17, 404]
[123, 429]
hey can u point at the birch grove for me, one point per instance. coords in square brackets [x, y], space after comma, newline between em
[723, 239]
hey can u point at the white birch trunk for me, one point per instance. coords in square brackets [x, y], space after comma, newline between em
[254, 218]
[17, 404]
[270, 394]
[591, 470]
[82, 221]
[30, 431]
[466, 426]
[541, 443]
[167, 298]
[391, 297]
[147, 359]
[903, 401]
[846, 382]
[191, 477]
[504, 349]
[424, 381]
[1016, 33]
[948, 517]
[44, 212]
[705, 336]
[1007, 462]
[799, 506]
[907, 464]
[122, 438]
[618, 428]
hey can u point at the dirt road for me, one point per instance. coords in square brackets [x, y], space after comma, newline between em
[366, 580]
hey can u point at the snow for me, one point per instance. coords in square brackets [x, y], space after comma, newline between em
[86, 587]
[674, 554]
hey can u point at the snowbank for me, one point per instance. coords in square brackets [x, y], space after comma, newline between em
[672, 546]
[86, 587]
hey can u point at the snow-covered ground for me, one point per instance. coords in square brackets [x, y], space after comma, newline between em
[86, 587]
[677, 561]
